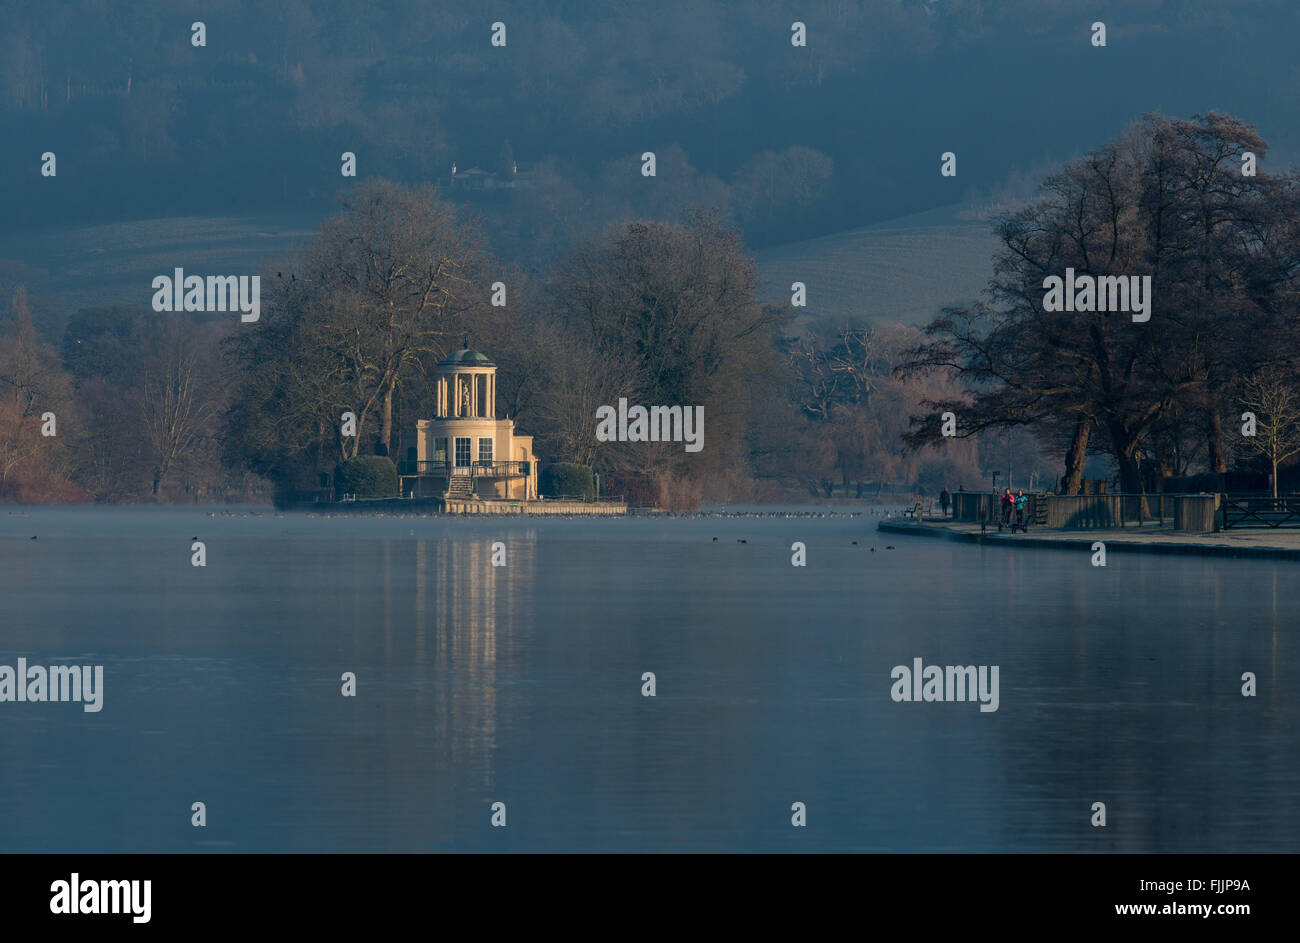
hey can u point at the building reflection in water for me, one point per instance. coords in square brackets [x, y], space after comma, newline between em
[473, 620]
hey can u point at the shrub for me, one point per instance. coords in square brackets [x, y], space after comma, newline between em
[567, 480]
[366, 476]
[637, 492]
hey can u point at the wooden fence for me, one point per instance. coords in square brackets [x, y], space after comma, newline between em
[1186, 512]
[1251, 511]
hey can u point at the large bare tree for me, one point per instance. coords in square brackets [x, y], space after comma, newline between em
[390, 284]
[670, 312]
[179, 401]
[1166, 200]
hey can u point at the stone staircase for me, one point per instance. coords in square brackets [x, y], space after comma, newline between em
[460, 488]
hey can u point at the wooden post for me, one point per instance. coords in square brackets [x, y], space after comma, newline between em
[1196, 513]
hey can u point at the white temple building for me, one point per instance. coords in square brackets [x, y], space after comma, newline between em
[465, 451]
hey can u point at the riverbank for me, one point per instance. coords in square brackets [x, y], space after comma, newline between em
[1264, 544]
[476, 506]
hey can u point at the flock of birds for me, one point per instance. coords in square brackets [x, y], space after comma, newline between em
[741, 540]
[673, 515]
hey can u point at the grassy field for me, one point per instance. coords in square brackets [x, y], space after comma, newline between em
[115, 264]
[901, 270]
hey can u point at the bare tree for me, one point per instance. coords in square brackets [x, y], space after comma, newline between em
[671, 314]
[19, 442]
[395, 275]
[582, 380]
[31, 383]
[1272, 395]
[817, 384]
[1164, 200]
[177, 412]
[387, 288]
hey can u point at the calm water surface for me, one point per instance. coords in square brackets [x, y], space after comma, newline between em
[522, 684]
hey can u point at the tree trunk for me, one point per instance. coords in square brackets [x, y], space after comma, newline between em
[1125, 450]
[1130, 475]
[349, 443]
[386, 419]
[1072, 482]
[1214, 438]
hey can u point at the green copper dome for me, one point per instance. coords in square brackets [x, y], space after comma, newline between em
[467, 357]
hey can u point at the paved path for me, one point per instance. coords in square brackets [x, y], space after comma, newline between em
[1254, 542]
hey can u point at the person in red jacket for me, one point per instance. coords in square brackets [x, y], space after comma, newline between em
[1008, 502]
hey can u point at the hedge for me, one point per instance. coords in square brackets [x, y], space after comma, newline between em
[366, 476]
[567, 480]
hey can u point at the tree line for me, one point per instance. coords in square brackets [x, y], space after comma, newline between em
[169, 407]
[190, 408]
[1186, 203]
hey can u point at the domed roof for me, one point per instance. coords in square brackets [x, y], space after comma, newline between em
[466, 357]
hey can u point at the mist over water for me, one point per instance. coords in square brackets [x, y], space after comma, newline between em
[522, 685]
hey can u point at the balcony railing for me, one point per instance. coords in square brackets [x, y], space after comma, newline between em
[477, 469]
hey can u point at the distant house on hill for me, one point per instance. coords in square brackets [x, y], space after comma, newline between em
[476, 178]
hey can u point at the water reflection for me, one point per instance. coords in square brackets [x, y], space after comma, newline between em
[522, 684]
[475, 618]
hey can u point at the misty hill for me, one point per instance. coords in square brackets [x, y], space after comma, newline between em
[901, 270]
[147, 125]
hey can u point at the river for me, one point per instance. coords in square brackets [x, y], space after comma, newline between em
[522, 684]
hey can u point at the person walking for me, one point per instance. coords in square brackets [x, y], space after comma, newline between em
[1022, 504]
[944, 500]
[1008, 502]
